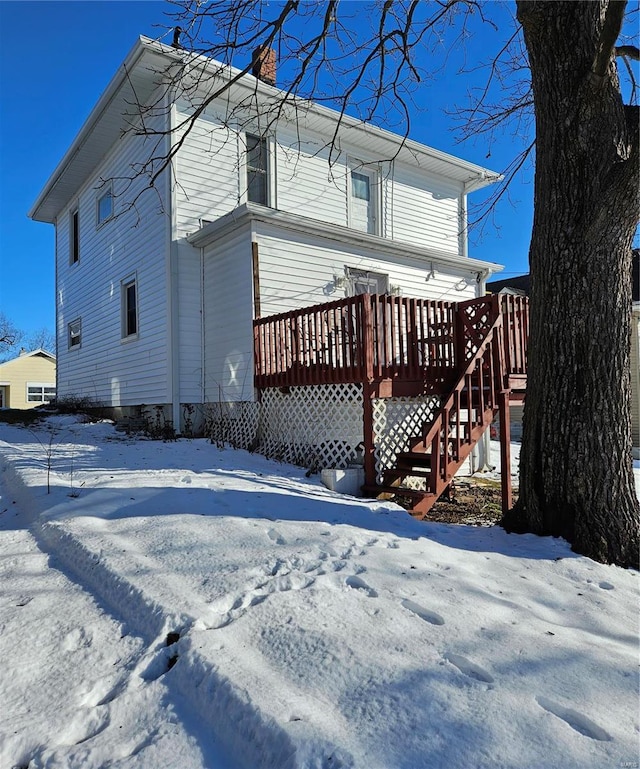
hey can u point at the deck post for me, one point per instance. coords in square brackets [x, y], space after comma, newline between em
[505, 451]
[367, 391]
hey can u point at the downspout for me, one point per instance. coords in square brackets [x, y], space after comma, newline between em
[173, 277]
[203, 347]
[56, 305]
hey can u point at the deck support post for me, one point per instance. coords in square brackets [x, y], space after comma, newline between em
[505, 451]
[370, 478]
[367, 393]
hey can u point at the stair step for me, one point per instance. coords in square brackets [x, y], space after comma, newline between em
[414, 472]
[397, 491]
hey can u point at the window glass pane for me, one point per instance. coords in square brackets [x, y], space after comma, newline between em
[75, 330]
[256, 153]
[75, 237]
[257, 187]
[131, 321]
[360, 186]
[105, 206]
[257, 179]
[34, 394]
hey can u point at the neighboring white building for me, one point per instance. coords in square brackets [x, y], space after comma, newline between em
[156, 289]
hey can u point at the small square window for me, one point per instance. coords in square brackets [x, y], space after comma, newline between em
[129, 308]
[75, 333]
[364, 282]
[105, 206]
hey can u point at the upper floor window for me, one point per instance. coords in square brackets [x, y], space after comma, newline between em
[74, 236]
[105, 206]
[75, 333]
[363, 201]
[257, 170]
[129, 308]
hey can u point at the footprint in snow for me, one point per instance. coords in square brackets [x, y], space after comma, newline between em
[469, 668]
[428, 616]
[86, 725]
[274, 536]
[359, 584]
[575, 720]
[185, 479]
[606, 586]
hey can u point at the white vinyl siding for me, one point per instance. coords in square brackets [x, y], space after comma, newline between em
[133, 240]
[425, 210]
[307, 184]
[228, 288]
[298, 270]
[406, 203]
[208, 168]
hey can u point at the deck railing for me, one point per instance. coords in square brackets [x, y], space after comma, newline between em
[373, 337]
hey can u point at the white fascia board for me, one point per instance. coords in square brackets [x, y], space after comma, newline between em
[251, 212]
[102, 106]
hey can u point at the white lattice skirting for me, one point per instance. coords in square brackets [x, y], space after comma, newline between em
[395, 421]
[318, 426]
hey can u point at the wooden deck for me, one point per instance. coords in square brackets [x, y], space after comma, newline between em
[400, 345]
[471, 354]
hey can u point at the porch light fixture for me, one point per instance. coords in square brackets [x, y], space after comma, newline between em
[339, 281]
[431, 274]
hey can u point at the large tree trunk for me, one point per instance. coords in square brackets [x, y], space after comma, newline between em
[576, 478]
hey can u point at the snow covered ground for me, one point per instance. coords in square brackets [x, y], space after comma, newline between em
[306, 630]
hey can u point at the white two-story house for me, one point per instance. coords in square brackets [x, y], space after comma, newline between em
[158, 284]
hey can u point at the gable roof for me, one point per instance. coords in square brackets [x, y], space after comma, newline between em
[518, 284]
[142, 72]
[39, 352]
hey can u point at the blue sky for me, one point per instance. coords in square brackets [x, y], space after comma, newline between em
[56, 58]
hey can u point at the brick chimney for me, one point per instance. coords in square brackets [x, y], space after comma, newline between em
[264, 65]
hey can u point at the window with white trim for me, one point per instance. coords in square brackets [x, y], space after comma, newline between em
[104, 206]
[74, 331]
[257, 162]
[364, 204]
[366, 282]
[129, 308]
[74, 236]
[38, 392]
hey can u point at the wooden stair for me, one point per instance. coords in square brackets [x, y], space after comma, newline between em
[446, 441]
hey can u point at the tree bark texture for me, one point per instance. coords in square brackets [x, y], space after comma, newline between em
[576, 477]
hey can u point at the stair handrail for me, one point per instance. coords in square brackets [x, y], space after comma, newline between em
[446, 406]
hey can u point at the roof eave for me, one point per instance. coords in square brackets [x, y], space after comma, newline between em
[96, 113]
[251, 212]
